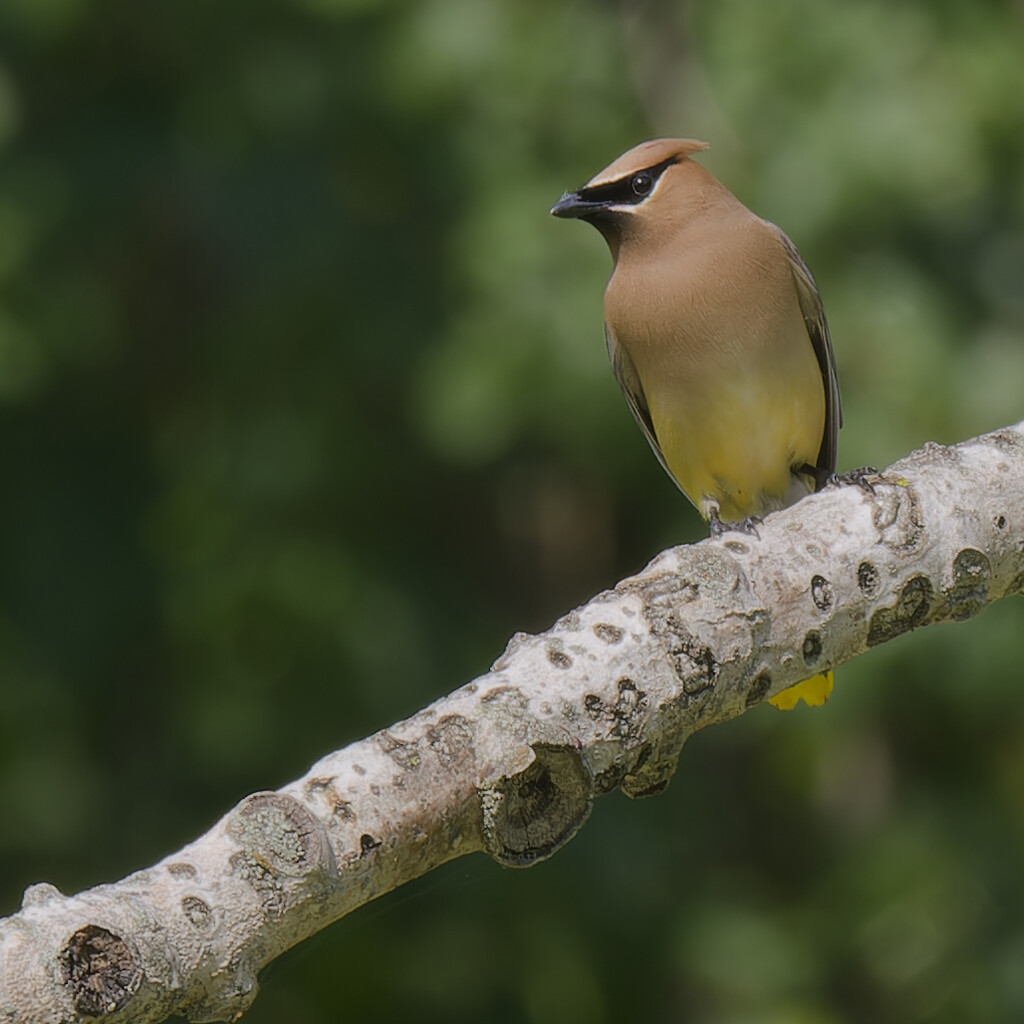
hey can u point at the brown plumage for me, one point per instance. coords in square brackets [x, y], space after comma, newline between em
[715, 331]
[717, 336]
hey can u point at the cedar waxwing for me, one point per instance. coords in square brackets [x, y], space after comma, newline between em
[717, 337]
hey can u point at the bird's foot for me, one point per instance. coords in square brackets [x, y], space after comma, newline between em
[747, 526]
[859, 477]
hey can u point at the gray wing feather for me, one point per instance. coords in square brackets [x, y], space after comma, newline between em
[817, 329]
[629, 381]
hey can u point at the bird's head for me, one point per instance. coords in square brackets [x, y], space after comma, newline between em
[634, 192]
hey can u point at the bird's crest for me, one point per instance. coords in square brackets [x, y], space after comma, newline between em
[647, 154]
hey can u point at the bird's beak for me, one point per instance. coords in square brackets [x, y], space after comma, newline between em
[572, 204]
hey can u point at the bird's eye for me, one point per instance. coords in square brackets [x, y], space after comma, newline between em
[641, 183]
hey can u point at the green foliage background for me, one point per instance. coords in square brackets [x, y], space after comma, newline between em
[304, 409]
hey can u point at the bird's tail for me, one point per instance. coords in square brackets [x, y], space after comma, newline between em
[813, 692]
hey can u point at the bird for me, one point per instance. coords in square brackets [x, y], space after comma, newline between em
[717, 336]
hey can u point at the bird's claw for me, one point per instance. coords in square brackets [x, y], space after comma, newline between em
[747, 526]
[859, 477]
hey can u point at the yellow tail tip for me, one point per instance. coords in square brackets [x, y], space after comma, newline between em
[813, 692]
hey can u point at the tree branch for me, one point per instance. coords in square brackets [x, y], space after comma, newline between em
[510, 763]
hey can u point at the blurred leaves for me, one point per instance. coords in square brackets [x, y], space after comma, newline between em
[304, 409]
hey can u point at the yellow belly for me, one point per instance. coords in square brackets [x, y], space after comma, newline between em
[734, 436]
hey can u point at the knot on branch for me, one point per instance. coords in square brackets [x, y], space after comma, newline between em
[529, 814]
[280, 840]
[968, 593]
[910, 611]
[100, 970]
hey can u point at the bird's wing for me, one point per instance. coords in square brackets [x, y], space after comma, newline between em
[817, 328]
[629, 381]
